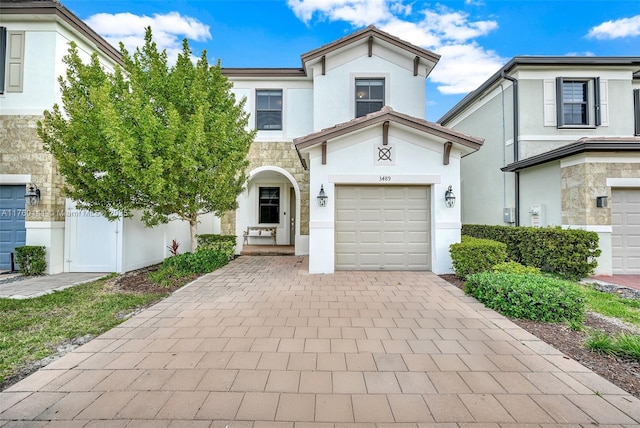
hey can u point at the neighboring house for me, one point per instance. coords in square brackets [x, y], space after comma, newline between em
[34, 36]
[349, 125]
[562, 147]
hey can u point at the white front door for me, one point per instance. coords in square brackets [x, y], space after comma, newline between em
[91, 241]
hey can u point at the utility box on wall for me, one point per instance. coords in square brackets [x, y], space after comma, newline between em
[509, 215]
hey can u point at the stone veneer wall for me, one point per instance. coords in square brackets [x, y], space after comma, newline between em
[283, 155]
[581, 184]
[21, 152]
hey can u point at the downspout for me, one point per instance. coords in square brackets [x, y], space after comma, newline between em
[516, 148]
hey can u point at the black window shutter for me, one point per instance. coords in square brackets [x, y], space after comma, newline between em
[596, 100]
[636, 109]
[3, 56]
[559, 104]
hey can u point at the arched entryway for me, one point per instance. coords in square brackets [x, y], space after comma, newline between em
[271, 200]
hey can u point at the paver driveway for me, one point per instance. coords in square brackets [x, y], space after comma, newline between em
[262, 343]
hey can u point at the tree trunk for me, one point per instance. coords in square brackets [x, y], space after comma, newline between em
[193, 226]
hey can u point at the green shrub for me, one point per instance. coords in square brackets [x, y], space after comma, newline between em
[474, 255]
[31, 259]
[533, 297]
[571, 253]
[223, 243]
[203, 261]
[515, 267]
[188, 264]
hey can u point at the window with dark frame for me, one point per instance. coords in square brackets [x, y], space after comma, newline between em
[269, 109]
[269, 205]
[578, 102]
[369, 96]
[636, 110]
[3, 57]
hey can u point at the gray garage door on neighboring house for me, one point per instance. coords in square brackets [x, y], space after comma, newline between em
[625, 238]
[382, 227]
[12, 229]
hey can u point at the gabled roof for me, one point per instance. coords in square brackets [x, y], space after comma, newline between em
[365, 33]
[317, 54]
[542, 61]
[52, 7]
[388, 114]
[583, 145]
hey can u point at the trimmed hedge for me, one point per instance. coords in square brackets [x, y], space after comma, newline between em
[533, 297]
[31, 259]
[515, 267]
[473, 255]
[223, 243]
[571, 253]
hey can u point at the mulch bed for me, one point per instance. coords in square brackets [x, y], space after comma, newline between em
[624, 373]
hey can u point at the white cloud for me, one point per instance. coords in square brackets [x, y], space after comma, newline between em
[464, 64]
[623, 27]
[168, 30]
[463, 68]
[585, 53]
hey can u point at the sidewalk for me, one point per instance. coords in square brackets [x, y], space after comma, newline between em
[16, 287]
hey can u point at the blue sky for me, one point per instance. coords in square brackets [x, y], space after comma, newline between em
[474, 37]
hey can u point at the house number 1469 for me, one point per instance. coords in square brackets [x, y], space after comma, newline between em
[385, 178]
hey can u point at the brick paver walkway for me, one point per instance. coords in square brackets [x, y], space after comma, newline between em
[261, 343]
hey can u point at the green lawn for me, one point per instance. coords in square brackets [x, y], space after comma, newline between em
[612, 305]
[31, 329]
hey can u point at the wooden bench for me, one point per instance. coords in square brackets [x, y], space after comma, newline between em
[259, 232]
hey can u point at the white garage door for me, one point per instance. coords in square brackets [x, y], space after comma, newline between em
[382, 227]
[625, 238]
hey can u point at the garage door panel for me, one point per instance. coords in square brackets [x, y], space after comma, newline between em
[625, 236]
[369, 237]
[393, 237]
[370, 215]
[394, 215]
[390, 230]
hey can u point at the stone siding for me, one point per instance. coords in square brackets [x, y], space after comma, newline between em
[283, 155]
[21, 152]
[581, 184]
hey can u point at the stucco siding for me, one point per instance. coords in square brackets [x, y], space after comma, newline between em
[541, 186]
[334, 93]
[536, 138]
[485, 189]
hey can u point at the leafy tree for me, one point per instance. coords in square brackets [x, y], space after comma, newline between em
[166, 141]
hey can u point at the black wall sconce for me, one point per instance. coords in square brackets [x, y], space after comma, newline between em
[450, 197]
[32, 197]
[601, 201]
[322, 197]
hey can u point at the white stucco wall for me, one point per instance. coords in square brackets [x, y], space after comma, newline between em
[334, 93]
[350, 160]
[297, 106]
[46, 43]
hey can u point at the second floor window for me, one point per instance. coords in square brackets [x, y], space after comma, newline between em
[269, 109]
[578, 102]
[369, 96]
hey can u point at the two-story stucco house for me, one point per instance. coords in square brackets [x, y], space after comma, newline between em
[34, 37]
[349, 125]
[562, 147]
